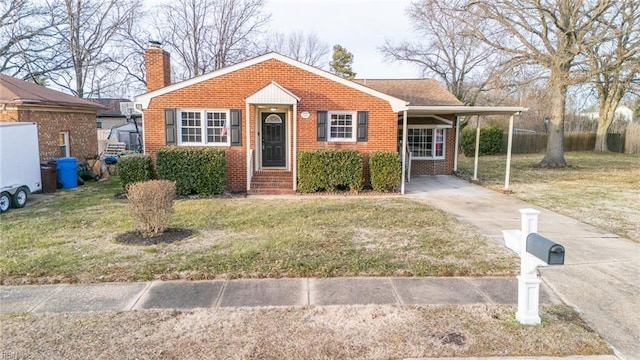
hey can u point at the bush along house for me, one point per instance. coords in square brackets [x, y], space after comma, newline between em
[266, 110]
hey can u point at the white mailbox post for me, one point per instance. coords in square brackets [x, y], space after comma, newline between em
[528, 281]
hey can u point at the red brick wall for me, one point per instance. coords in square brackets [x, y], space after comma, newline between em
[158, 65]
[315, 92]
[81, 126]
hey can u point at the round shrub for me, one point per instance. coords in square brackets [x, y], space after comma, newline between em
[151, 205]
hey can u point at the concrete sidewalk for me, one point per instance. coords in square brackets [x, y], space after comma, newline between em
[186, 295]
[601, 275]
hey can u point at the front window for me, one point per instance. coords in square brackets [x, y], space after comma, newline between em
[216, 127]
[203, 127]
[425, 143]
[341, 126]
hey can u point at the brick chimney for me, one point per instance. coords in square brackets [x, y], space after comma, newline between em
[158, 66]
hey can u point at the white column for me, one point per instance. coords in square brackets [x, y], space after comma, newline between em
[247, 127]
[405, 135]
[475, 163]
[528, 282]
[509, 144]
[455, 158]
[294, 166]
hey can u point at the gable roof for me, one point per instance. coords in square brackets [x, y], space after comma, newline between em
[272, 93]
[418, 92]
[111, 107]
[20, 92]
[396, 103]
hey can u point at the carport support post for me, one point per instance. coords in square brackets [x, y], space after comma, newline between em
[509, 145]
[475, 163]
[528, 282]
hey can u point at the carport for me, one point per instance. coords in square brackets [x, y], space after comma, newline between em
[459, 112]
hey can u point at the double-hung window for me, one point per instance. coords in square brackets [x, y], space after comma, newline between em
[204, 127]
[342, 126]
[217, 127]
[425, 142]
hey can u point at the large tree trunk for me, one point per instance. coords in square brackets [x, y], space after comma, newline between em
[605, 118]
[554, 156]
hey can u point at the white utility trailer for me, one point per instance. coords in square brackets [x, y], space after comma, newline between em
[19, 163]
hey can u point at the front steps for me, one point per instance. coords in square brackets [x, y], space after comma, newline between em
[272, 182]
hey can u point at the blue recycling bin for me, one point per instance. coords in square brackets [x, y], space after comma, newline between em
[67, 172]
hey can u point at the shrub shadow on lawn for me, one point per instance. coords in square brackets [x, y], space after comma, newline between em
[169, 236]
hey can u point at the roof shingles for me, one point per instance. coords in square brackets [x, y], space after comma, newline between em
[418, 92]
[20, 92]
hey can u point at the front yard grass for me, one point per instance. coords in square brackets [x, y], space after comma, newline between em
[70, 237]
[601, 189]
[325, 332]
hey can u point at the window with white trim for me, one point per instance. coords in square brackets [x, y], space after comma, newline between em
[203, 127]
[217, 127]
[342, 126]
[425, 142]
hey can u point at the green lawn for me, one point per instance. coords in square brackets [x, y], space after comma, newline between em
[70, 237]
[602, 189]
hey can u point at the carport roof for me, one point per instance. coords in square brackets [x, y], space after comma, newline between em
[462, 110]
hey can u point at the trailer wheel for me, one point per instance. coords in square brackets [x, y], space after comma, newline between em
[20, 198]
[5, 201]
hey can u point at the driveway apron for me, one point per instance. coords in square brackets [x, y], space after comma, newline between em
[601, 275]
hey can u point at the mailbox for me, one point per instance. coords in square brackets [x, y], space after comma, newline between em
[545, 249]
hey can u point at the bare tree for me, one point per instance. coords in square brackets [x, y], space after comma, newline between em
[210, 34]
[26, 46]
[446, 51]
[88, 34]
[307, 48]
[133, 39]
[550, 34]
[617, 66]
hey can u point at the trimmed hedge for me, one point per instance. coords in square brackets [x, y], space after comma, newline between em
[329, 170]
[135, 168]
[385, 170]
[199, 171]
[490, 141]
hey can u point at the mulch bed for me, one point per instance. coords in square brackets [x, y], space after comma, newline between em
[169, 236]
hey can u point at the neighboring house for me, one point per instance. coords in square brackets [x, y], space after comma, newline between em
[265, 110]
[110, 116]
[622, 113]
[112, 124]
[66, 124]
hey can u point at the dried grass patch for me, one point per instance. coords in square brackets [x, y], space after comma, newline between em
[353, 332]
[601, 189]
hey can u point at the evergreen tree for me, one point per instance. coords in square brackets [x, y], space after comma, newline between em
[342, 61]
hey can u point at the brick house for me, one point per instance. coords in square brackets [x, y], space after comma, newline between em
[265, 110]
[66, 124]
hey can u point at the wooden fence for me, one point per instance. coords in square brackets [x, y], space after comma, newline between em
[537, 143]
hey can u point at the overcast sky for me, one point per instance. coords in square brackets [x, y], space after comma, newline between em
[361, 26]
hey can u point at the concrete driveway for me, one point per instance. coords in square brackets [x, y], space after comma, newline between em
[601, 275]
